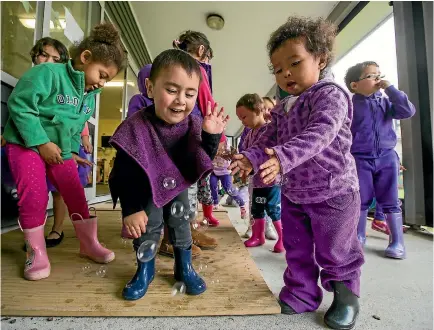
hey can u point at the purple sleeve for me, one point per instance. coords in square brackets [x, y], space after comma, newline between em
[136, 103]
[268, 139]
[329, 111]
[398, 104]
[242, 138]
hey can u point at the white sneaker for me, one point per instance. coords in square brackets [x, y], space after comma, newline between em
[248, 232]
[270, 232]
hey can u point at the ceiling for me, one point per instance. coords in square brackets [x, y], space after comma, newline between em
[240, 64]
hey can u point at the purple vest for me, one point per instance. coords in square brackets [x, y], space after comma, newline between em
[164, 151]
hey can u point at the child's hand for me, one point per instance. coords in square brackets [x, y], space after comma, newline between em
[240, 164]
[270, 168]
[88, 148]
[81, 161]
[383, 84]
[50, 153]
[136, 223]
[215, 121]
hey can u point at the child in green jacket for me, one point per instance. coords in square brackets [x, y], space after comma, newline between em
[48, 109]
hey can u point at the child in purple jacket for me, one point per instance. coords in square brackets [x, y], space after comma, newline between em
[308, 143]
[373, 146]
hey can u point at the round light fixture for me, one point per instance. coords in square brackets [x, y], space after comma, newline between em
[215, 22]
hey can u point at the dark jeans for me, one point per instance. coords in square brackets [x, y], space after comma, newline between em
[272, 205]
[178, 227]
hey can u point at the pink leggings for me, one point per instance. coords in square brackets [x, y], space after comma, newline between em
[30, 172]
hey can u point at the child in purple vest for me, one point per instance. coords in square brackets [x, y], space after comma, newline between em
[308, 143]
[161, 151]
[373, 146]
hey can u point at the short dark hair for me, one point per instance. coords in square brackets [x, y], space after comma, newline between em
[38, 48]
[190, 41]
[318, 35]
[174, 57]
[105, 45]
[252, 102]
[353, 74]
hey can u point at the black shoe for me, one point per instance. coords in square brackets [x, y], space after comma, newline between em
[52, 242]
[286, 309]
[344, 310]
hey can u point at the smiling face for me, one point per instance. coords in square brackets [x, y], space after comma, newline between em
[368, 83]
[174, 93]
[96, 74]
[294, 67]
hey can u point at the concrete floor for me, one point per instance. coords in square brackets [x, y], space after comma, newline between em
[399, 293]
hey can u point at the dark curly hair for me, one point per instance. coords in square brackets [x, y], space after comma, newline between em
[105, 45]
[353, 74]
[190, 41]
[252, 102]
[174, 57]
[38, 48]
[318, 35]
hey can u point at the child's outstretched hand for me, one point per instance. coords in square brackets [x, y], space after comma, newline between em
[241, 164]
[81, 161]
[136, 223]
[271, 168]
[50, 153]
[215, 121]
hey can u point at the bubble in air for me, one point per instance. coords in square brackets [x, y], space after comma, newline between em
[169, 183]
[147, 251]
[86, 267]
[177, 209]
[201, 226]
[178, 288]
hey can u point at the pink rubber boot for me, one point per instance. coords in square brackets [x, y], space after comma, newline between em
[37, 264]
[90, 247]
[258, 234]
[278, 247]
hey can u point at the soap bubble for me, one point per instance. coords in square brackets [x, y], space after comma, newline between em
[169, 183]
[191, 216]
[86, 267]
[202, 225]
[147, 251]
[178, 288]
[177, 209]
[102, 271]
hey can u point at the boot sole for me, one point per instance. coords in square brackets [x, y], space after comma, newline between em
[395, 257]
[38, 275]
[333, 325]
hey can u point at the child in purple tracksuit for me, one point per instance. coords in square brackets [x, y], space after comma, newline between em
[140, 101]
[308, 142]
[373, 146]
[222, 174]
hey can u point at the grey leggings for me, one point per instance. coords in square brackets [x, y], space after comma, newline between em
[178, 227]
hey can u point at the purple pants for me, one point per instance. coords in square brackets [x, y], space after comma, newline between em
[226, 181]
[320, 235]
[378, 178]
[30, 172]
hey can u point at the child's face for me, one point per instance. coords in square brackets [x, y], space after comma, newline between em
[96, 74]
[368, 81]
[268, 105]
[174, 93]
[295, 68]
[48, 55]
[248, 117]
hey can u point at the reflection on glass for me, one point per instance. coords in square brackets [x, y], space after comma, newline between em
[110, 116]
[17, 32]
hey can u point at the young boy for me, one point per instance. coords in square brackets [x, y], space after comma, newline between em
[373, 146]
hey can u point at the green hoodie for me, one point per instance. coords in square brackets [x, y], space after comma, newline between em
[49, 104]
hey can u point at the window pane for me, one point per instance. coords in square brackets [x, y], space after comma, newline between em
[17, 33]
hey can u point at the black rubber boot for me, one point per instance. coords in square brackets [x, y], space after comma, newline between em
[286, 309]
[344, 310]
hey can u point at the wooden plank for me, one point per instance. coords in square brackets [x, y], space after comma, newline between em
[235, 285]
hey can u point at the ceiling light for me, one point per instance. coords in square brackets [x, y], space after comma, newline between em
[215, 21]
[30, 23]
